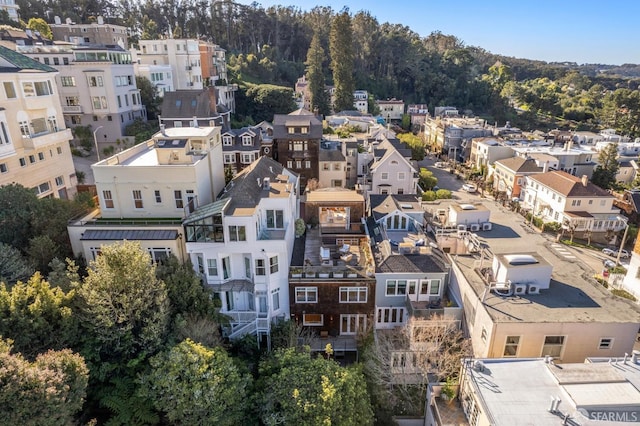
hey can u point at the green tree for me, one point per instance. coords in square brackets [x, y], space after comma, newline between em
[228, 174]
[18, 206]
[295, 388]
[193, 384]
[315, 77]
[40, 25]
[342, 60]
[415, 143]
[265, 100]
[149, 97]
[605, 173]
[37, 317]
[42, 249]
[426, 179]
[63, 274]
[49, 391]
[125, 309]
[13, 266]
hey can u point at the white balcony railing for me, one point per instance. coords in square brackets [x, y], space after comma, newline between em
[40, 140]
[72, 109]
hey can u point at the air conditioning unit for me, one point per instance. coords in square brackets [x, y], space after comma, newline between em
[533, 289]
[486, 226]
[520, 289]
[474, 227]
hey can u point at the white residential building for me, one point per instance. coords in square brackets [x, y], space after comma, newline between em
[34, 143]
[571, 201]
[11, 8]
[242, 245]
[332, 165]
[161, 76]
[391, 172]
[97, 87]
[145, 191]
[505, 392]
[361, 101]
[195, 64]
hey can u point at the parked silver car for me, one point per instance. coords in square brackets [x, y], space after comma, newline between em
[614, 252]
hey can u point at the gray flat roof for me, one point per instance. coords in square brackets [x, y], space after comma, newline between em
[518, 391]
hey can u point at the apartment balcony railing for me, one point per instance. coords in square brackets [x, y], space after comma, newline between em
[446, 307]
[272, 234]
[124, 222]
[72, 109]
[46, 138]
[330, 272]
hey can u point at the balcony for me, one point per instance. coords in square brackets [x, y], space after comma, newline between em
[46, 138]
[72, 109]
[446, 307]
[272, 234]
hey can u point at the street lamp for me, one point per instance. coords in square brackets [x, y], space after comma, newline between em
[95, 141]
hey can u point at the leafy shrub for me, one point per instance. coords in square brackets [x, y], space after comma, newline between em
[428, 196]
[443, 194]
[624, 293]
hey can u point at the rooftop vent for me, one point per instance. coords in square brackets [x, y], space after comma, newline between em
[467, 207]
[406, 206]
[266, 184]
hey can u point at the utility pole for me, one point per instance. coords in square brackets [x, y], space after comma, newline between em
[624, 238]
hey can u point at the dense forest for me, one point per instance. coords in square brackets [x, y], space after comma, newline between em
[270, 45]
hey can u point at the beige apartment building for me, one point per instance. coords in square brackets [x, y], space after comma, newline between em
[526, 304]
[34, 143]
[97, 33]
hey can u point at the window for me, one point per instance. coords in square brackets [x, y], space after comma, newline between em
[41, 156]
[95, 81]
[119, 101]
[178, 197]
[108, 199]
[273, 264]
[298, 164]
[390, 315]
[247, 141]
[434, 287]
[65, 61]
[384, 176]
[43, 187]
[336, 183]
[229, 158]
[226, 267]
[275, 299]
[511, 346]
[3, 168]
[325, 166]
[25, 131]
[59, 181]
[312, 319]
[9, 90]
[32, 159]
[275, 219]
[156, 193]
[99, 102]
[289, 164]
[576, 203]
[290, 130]
[212, 267]
[337, 166]
[68, 81]
[306, 294]
[400, 175]
[353, 323]
[307, 164]
[159, 254]
[483, 335]
[606, 343]
[412, 287]
[247, 158]
[137, 199]
[396, 287]
[553, 346]
[227, 140]
[353, 294]
[237, 233]
[260, 269]
[23, 162]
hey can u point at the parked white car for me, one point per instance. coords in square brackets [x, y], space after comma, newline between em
[614, 252]
[469, 187]
[440, 164]
[609, 264]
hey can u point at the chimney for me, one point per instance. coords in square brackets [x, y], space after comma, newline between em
[57, 20]
[585, 180]
[162, 130]
[195, 121]
[545, 167]
[266, 184]
[100, 20]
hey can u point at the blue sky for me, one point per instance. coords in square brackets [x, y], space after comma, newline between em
[587, 31]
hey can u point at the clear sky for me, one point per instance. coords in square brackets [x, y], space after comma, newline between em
[586, 31]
